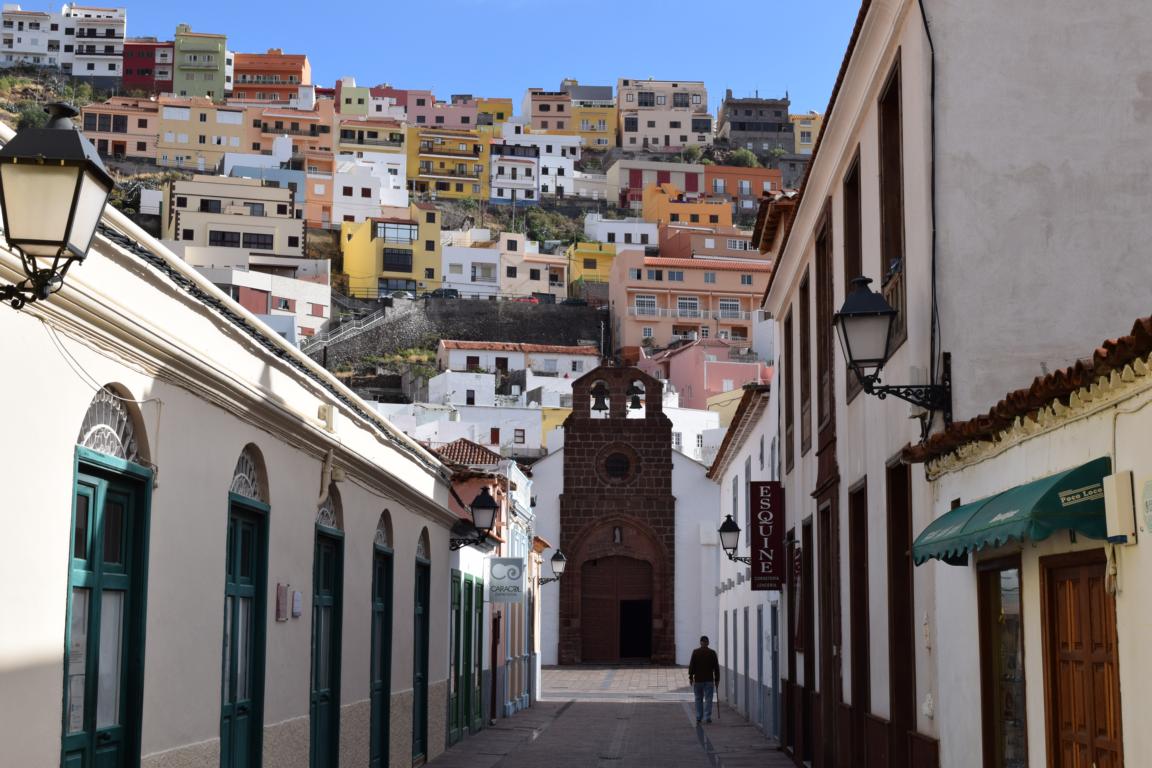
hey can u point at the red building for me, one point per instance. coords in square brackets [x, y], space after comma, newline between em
[148, 65]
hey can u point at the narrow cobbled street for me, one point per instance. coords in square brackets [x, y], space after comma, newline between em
[618, 717]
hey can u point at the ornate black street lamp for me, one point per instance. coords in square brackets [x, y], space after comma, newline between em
[730, 539]
[559, 563]
[864, 325]
[53, 189]
[483, 509]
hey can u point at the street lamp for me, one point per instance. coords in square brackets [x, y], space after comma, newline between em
[730, 539]
[559, 563]
[53, 188]
[483, 509]
[864, 325]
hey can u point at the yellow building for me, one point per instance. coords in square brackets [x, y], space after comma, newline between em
[666, 204]
[362, 136]
[551, 419]
[590, 262]
[595, 123]
[194, 133]
[806, 128]
[396, 251]
[447, 164]
[725, 404]
[500, 110]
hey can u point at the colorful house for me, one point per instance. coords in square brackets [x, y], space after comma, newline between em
[202, 66]
[807, 128]
[148, 65]
[447, 164]
[666, 204]
[399, 250]
[594, 116]
[122, 127]
[195, 133]
[273, 76]
[742, 187]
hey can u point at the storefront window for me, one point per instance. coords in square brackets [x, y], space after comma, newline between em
[1002, 666]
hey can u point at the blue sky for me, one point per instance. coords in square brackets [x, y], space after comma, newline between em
[502, 47]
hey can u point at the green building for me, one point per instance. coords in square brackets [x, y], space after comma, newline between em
[203, 64]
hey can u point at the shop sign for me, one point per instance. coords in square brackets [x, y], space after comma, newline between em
[506, 579]
[768, 560]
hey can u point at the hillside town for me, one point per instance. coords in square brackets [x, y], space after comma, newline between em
[628, 422]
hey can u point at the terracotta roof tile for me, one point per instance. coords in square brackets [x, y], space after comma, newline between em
[510, 346]
[464, 451]
[1111, 356]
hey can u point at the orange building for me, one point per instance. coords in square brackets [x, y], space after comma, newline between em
[666, 204]
[549, 111]
[273, 76]
[309, 129]
[742, 187]
[122, 127]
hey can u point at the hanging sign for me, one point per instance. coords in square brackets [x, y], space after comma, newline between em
[769, 568]
[506, 579]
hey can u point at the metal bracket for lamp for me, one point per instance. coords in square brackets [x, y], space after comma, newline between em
[932, 397]
[466, 535]
[747, 560]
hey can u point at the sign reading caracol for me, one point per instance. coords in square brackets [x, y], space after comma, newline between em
[506, 579]
[768, 566]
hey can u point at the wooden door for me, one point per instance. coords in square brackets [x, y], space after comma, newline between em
[477, 655]
[242, 678]
[104, 630]
[615, 608]
[328, 568]
[455, 661]
[381, 666]
[1082, 663]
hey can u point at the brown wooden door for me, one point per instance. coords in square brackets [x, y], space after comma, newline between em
[615, 608]
[1083, 664]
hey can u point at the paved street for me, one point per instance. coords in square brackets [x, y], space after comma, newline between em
[622, 717]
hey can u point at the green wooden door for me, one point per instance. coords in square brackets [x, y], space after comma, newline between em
[242, 669]
[104, 632]
[420, 662]
[478, 656]
[466, 657]
[455, 716]
[381, 686]
[327, 572]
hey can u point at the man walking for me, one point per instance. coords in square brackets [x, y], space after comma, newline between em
[704, 674]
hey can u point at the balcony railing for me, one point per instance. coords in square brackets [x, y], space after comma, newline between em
[484, 278]
[693, 313]
[271, 129]
[444, 149]
[449, 173]
[733, 314]
[372, 142]
[650, 312]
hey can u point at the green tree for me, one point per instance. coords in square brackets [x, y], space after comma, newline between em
[30, 114]
[743, 158]
[691, 154]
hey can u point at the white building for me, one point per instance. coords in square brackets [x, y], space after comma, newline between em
[362, 186]
[472, 269]
[631, 230]
[514, 177]
[558, 155]
[160, 422]
[593, 186]
[86, 42]
[514, 356]
[966, 253]
[747, 639]
[276, 286]
[462, 388]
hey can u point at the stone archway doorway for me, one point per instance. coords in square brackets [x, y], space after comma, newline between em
[616, 609]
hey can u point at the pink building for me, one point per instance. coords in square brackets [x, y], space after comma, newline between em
[705, 367]
[459, 113]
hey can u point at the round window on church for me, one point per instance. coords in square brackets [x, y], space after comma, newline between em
[617, 464]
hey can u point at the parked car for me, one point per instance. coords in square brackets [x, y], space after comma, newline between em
[544, 298]
[526, 299]
[575, 302]
[443, 293]
[402, 295]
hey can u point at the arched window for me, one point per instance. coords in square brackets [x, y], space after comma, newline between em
[109, 428]
[423, 548]
[248, 477]
[329, 514]
[384, 531]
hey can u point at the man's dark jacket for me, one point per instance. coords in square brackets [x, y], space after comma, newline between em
[704, 666]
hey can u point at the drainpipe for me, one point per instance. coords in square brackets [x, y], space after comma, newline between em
[495, 649]
[326, 477]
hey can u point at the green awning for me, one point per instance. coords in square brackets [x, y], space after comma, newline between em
[1072, 499]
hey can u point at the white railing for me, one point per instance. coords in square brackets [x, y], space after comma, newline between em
[650, 312]
[345, 331]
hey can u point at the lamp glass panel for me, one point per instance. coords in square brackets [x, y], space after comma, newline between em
[558, 565]
[89, 206]
[729, 540]
[865, 339]
[37, 200]
[484, 515]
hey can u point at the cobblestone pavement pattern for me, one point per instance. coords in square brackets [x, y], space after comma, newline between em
[615, 717]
